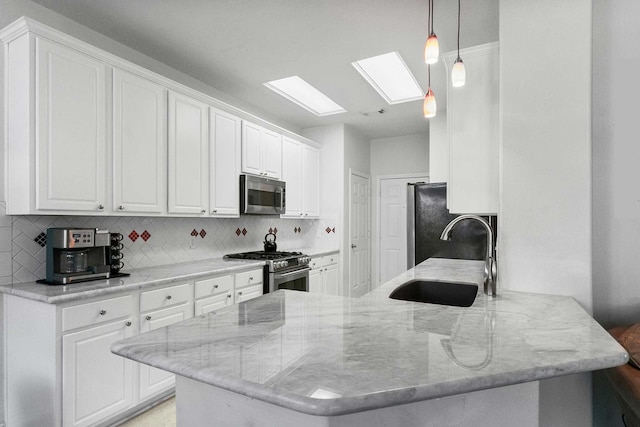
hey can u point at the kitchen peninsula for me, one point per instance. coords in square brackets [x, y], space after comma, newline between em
[292, 358]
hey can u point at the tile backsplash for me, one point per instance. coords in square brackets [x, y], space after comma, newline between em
[150, 241]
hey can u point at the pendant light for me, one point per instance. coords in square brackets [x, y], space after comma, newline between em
[429, 104]
[432, 47]
[458, 73]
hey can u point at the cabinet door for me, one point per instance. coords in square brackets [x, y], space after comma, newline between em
[95, 382]
[315, 281]
[292, 175]
[153, 380]
[311, 191]
[139, 144]
[251, 148]
[70, 134]
[330, 282]
[188, 155]
[473, 127]
[224, 149]
[271, 154]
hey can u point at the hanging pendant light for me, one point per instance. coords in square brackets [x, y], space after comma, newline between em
[429, 104]
[458, 73]
[432, 47]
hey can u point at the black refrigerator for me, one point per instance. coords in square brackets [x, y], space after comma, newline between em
[427, 216]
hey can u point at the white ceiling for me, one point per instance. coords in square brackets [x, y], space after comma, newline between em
[237, 45]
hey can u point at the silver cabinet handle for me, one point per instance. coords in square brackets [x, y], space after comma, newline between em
[214, 211]
[215, 286]
[128, 324]
[148, 317]
[100, 207]
[228, 295]
[168, 296]
[239, 293]
[121, 207]
[203, 211]
[353, 246]
[102, 312]
[251, 278]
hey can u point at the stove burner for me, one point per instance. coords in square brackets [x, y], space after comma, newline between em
[262, 255]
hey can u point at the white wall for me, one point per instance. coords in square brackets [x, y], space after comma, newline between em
[616, 193]
[438, 148]
[545, 214]
[393, 156]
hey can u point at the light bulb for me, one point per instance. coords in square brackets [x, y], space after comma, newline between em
[429, 105]
[431, 49]
[458, 73]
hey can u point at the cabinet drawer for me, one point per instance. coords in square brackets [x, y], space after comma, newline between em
[249, 278]
[165, 297]
[213, 286]
[249, 292]
[316, 262]
[329, 259]
[96, 312]
[213, 303]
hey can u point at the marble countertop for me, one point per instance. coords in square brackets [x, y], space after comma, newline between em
[327, 355]
[139, 278]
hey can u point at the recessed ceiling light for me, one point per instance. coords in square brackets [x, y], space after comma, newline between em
[389, 75]
[308, 97]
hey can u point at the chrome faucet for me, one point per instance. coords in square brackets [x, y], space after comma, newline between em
[490, 267]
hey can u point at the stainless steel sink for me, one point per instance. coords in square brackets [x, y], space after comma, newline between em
[435, 292]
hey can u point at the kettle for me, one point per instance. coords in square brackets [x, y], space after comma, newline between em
[270, 245]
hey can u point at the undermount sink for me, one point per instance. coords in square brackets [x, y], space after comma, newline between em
[435, 292]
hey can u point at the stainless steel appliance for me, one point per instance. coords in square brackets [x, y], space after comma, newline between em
[259, 195]
[283, 270]
[77, 254]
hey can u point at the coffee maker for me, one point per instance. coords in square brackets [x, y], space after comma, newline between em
[77, 254]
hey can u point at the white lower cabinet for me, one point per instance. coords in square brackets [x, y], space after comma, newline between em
[62, 353]
[324, 277]
[96, 383]
[248, 285]
[152, 380]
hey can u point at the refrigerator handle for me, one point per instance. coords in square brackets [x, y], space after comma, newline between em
[411, 223]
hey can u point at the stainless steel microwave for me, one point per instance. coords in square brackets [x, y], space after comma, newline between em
[262, 196]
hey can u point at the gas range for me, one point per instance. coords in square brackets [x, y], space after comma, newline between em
[276, 261]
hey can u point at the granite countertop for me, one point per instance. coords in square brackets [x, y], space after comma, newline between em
[327, 355]
[139, 278]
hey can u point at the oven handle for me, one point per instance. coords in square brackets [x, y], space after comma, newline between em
[291, 273]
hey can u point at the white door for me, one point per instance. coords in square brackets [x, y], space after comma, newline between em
[139, 144]
[359, 235]
[224, 164]
[95, 382]
[393, 225]
[188, 155]
[70, 133]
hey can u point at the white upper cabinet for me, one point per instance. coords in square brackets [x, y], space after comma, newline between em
[292, 176]
[188, 155]
[224, 163]
[70, 163]
[301, 173]
[139, 144]
[473, 133]
[261, 151]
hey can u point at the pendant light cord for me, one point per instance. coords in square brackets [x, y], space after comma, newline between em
[458, 29]
[430, 17]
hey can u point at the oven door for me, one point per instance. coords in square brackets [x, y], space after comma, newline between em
[297, 280]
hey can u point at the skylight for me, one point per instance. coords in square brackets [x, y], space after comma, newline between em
[389, 75]
[308, 97]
